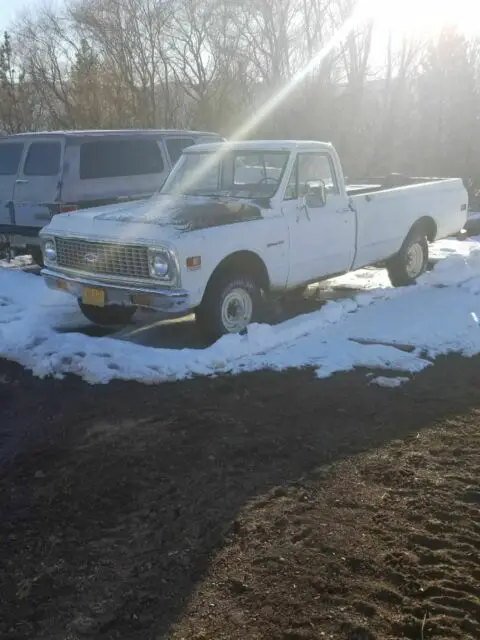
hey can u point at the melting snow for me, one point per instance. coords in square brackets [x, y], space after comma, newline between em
[383, 381]
[401, 330]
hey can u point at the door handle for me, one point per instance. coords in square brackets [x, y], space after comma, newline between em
[21, 181]
[346, 210]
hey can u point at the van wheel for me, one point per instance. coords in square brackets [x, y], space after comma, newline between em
[410, 262]
[111, 315]
[229, 305]
[37, 256]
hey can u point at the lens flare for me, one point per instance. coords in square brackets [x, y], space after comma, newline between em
[363, 13]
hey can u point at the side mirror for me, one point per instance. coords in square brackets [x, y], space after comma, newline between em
[316, 195]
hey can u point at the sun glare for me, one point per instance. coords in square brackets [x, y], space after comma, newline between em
[425, 17]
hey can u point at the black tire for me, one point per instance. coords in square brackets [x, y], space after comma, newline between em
[37, 256]
[401, 271]
[109, 316]
[210, 315]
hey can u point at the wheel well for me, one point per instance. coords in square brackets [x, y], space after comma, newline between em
[245, 262]
[428, 226]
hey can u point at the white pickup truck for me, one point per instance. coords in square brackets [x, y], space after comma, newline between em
[237, 223]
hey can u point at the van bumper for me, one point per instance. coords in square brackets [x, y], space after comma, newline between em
[165, 299]
[19, 237]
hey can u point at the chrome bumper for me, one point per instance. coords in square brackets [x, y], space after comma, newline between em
[157, 298]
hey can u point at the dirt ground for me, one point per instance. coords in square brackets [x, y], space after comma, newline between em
[264, 506]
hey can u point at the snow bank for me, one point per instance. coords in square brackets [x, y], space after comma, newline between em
[401, 330]
[16, 263]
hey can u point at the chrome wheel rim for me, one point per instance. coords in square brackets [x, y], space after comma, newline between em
[415, 259]
[236, 311]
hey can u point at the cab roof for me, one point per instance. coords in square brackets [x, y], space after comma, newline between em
[261, 145]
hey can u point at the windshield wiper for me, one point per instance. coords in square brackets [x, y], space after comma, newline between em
[255, 196]
[197, 192]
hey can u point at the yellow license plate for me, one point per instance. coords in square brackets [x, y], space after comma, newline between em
[142, 299]
[61, 285]
[94, 297]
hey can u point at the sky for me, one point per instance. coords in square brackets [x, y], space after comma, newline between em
[425, 17]
[419, 16]
[9, 9]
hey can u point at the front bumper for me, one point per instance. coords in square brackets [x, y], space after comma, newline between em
[158, 298]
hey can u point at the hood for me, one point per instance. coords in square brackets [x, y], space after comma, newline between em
[87, 216]
[185, 213]
[172, 215]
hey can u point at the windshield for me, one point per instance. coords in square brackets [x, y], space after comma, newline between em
[241, 174]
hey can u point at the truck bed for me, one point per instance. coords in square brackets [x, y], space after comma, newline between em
[359, 186]
[385, 214]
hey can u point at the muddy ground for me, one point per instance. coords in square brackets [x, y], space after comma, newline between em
[264, 506]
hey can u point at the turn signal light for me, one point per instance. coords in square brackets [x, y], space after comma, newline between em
[194, 262]
[67, 208]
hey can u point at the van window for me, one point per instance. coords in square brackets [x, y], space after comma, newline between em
[10, 155]
[43, 159]
[175, 146]
[117, 158]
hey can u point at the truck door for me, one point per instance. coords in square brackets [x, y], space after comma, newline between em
[322, 235]
[38, 184]
[10, 155]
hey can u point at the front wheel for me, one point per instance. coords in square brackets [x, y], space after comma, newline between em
[109, 316]
[230, 304]
[410, 262]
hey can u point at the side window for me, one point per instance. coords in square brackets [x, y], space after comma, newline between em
[119, 158]
[175, 146]
[10, 155]
[315, 166]
[43, 159]
[291, 192]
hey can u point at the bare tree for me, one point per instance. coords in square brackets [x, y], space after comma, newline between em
[131, 36]
[392, 114]
[17, 98]
[49, 47]
[212, 63]
[448, 104]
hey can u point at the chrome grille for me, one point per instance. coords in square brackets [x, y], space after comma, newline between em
[101, 258]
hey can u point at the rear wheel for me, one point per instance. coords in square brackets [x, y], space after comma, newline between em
[111, 315]
[230, 304]
[410, 262]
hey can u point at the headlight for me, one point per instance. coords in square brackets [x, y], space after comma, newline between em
[159, 266]
[163, 265]
[49, 251]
